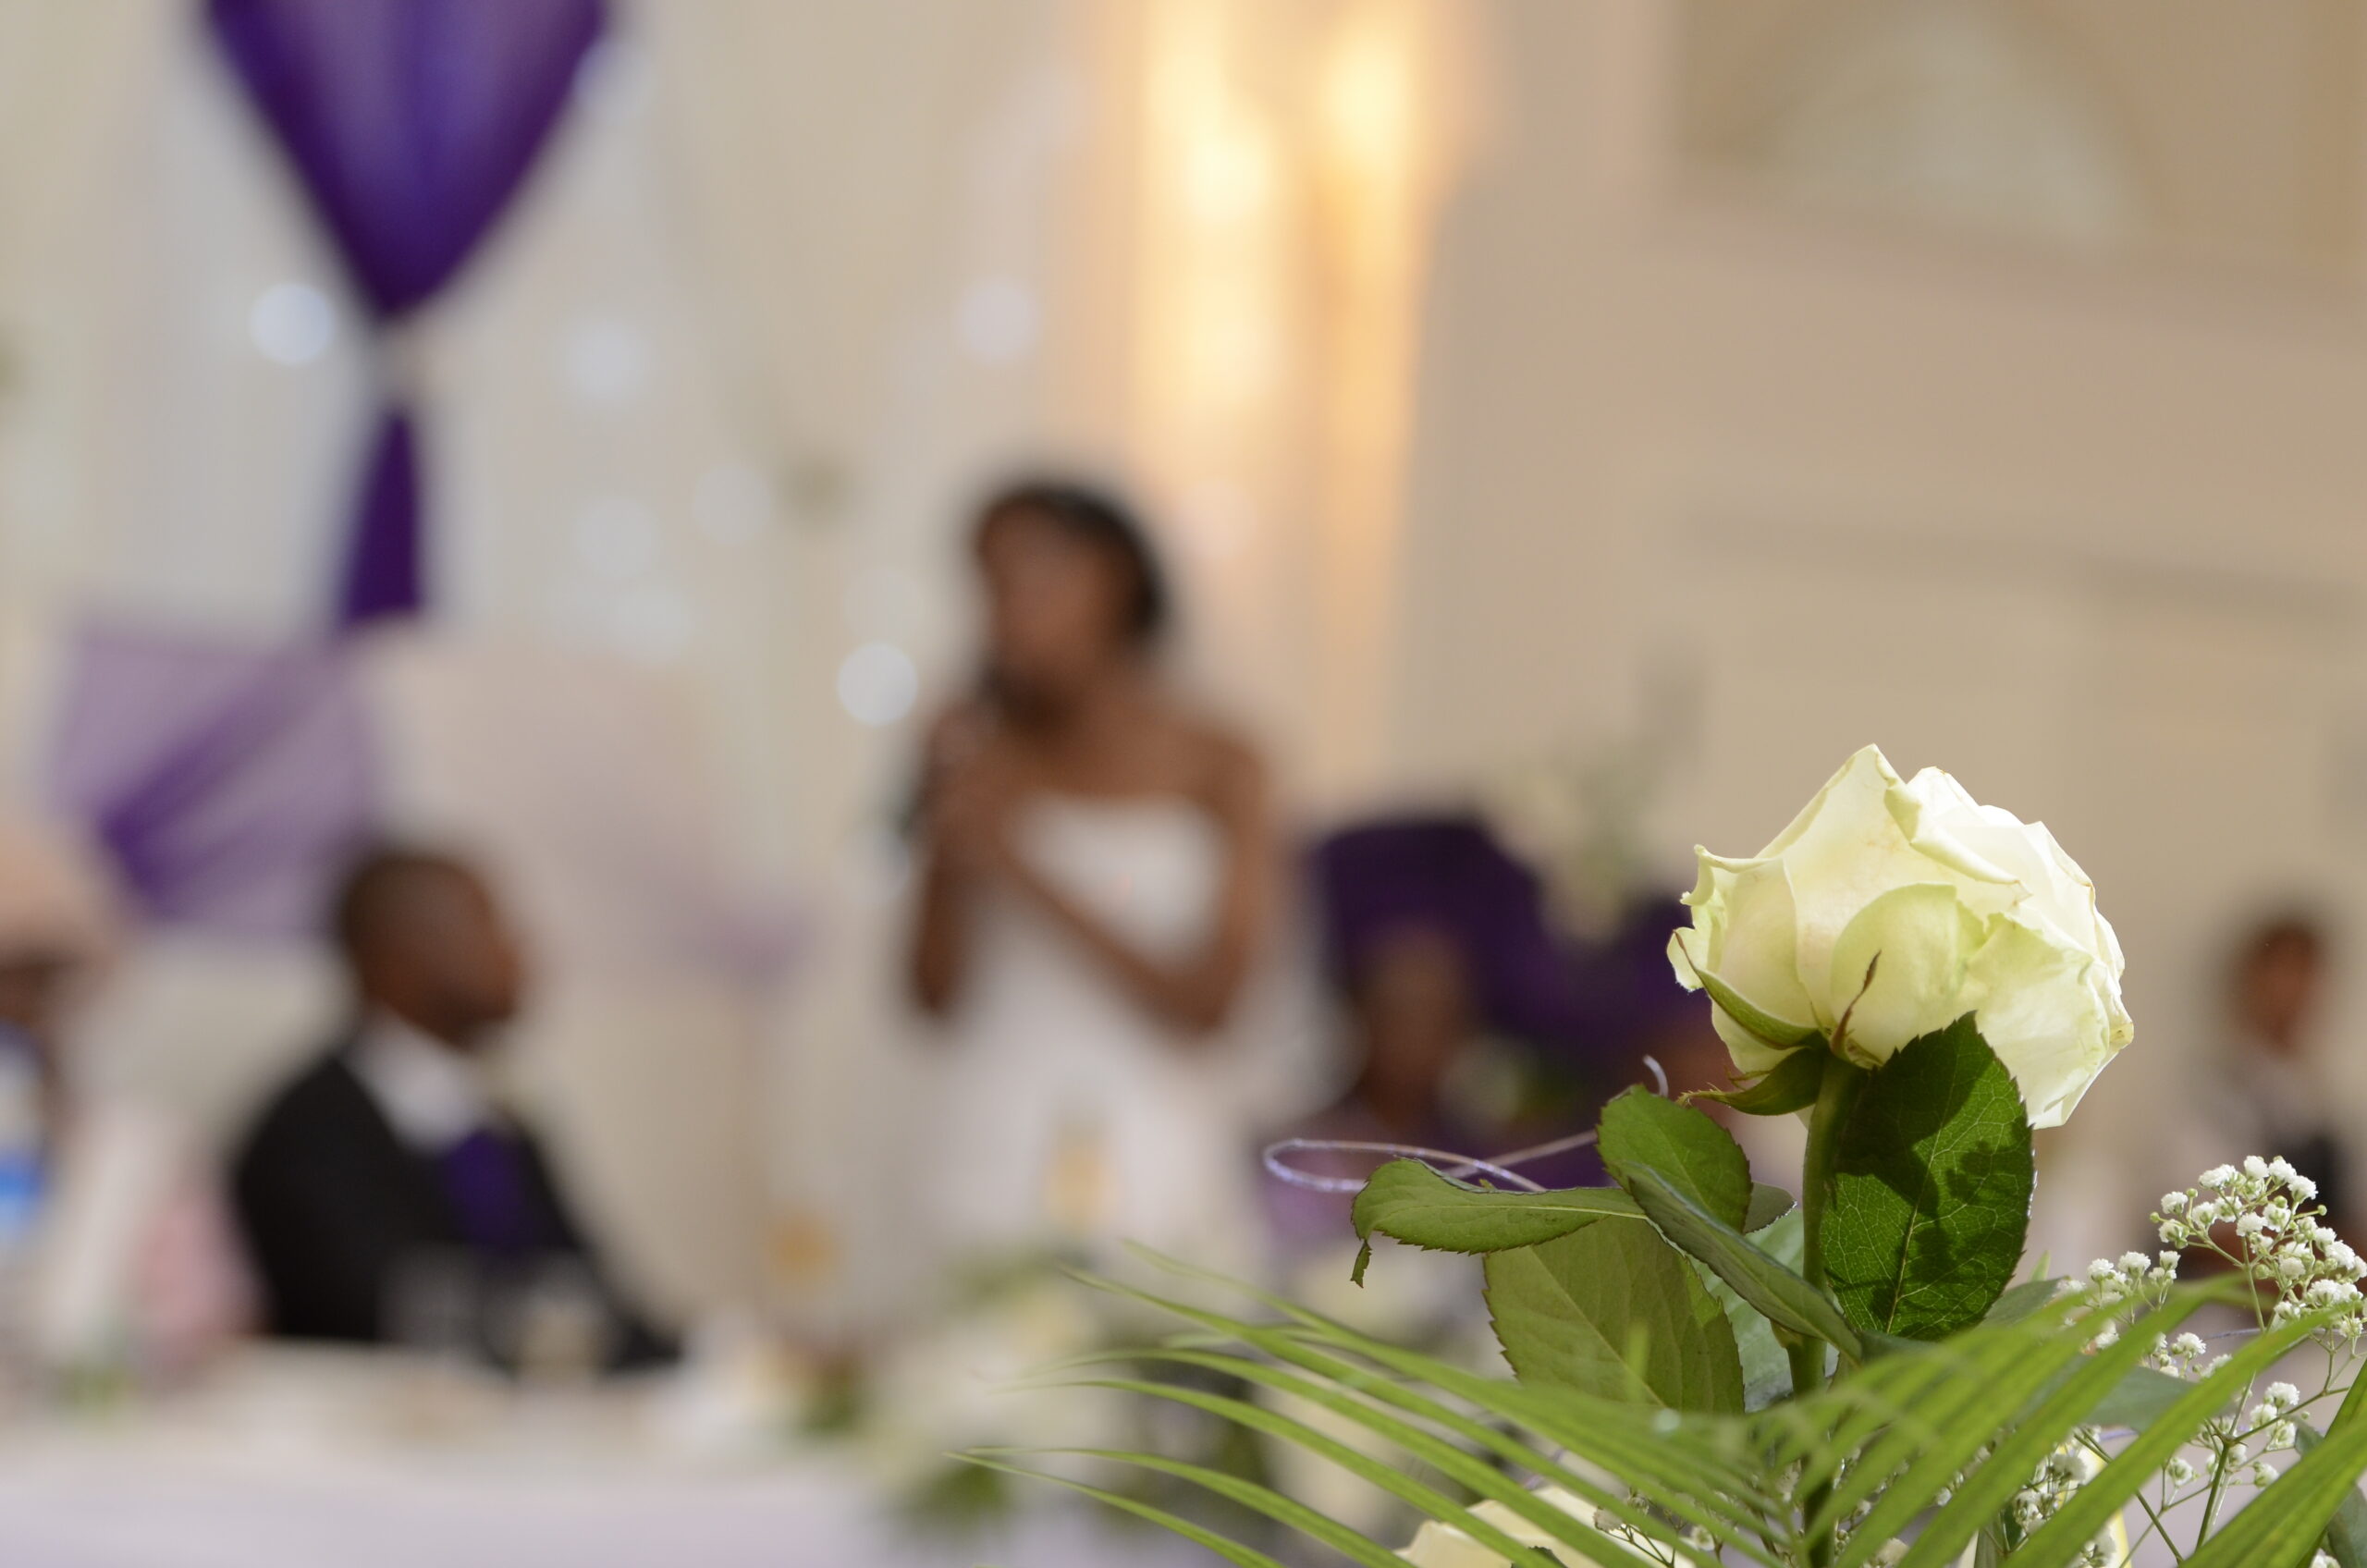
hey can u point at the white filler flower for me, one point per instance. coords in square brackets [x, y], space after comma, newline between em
[1966, 909]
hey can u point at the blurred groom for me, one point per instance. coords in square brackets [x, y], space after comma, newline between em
[388, 1193]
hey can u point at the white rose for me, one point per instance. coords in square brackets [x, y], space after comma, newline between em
[1968, 908]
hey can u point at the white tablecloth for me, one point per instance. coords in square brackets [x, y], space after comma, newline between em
[277, 1475]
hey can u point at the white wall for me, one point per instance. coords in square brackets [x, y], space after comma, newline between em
[2085, 534]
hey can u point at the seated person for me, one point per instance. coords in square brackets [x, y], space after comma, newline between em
[389, 1170]
[56, 929]
[1459, 996]
[133, 1265]
[2274, 1091]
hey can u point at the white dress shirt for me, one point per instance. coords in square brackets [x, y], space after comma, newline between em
[432, 1094]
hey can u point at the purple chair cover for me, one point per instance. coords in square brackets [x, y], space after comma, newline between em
[411, 125]
[1627, 994]
[229, 782]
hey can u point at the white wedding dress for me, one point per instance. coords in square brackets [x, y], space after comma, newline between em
[1075, 1117]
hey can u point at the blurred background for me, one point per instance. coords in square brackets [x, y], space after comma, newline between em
[554, 432]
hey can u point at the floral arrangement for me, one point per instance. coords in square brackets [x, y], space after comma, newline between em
[1708, 1369]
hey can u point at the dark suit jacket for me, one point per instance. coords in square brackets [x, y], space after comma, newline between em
[335, 1206]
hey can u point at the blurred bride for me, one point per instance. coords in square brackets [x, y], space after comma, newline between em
[1099, 911]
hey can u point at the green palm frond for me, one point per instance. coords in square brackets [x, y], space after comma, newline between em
[1657, 1449]
[1230, 1550]
[1334, 1380]
[1969, 1418]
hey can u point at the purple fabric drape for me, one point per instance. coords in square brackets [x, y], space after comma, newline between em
[410, 124]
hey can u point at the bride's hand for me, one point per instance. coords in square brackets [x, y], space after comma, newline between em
[973, 790]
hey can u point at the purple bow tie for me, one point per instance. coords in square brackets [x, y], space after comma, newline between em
[484, 1176]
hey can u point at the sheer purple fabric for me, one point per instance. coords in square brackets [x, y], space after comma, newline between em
[411, 125]
[229, 782]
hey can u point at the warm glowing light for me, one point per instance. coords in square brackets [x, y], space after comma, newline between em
[1288, 178]
[1215, 303]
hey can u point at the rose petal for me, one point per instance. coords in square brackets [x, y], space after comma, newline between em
[1741, 947]
[2049, 1013]
[1916, 941]
[1848, 849]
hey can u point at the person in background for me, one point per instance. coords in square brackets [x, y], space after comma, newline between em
[1097, 898]
[2275, 1099]
[388, 1192]
[56, 928]
[1635, 1014]
[113, 1236]
[1450, 980]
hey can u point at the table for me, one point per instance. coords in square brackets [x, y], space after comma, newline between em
[310, 1460]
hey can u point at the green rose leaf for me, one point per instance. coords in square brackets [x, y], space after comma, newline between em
[1766, 1368]
[1931, 1189]
[2023, 1300]
[1693, 1154]
[1412, 1203]
[1766, 1205]
[1778, 1294]
[1791, 1085]
[1615, 1312]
